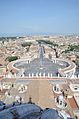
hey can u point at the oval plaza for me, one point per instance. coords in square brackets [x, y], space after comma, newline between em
[41, 66]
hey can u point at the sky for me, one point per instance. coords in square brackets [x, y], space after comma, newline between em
[23, 17]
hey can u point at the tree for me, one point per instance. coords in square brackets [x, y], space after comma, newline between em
[11, 58]
[25, 44]
[2, 41]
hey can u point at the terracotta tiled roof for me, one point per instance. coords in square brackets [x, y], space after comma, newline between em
[73, 103]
